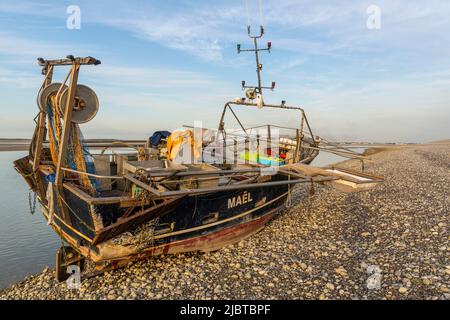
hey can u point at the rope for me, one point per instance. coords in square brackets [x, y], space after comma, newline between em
[143, 197]
[27, 175]
[77, 154]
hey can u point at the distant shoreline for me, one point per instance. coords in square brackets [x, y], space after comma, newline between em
[14, 144]
[19, 144]
[24, 144]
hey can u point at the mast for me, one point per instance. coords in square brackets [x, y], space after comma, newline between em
[259, 88]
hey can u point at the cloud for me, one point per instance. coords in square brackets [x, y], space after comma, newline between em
[26, 7]
[18, 58]
[19, 47]
[323, 57]
[156, 89]
[200, 31]
[207, 29]
[153, 77]
[14, 78]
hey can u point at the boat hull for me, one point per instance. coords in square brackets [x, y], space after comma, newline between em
[216, 239]
[204, 222]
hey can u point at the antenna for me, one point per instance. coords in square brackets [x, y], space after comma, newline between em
[255, 38]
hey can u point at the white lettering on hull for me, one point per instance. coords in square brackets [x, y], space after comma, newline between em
[244, 198]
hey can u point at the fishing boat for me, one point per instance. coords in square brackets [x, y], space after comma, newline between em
[116, 201]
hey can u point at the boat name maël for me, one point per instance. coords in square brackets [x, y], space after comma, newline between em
[246, 197]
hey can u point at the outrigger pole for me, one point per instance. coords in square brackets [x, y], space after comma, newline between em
[40, 131]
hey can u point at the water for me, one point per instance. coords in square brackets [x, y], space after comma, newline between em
[326, 158]
[27, 244]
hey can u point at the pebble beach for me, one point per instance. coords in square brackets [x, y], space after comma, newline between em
[391, 242]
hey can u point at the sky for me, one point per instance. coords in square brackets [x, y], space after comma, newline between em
[169, 63]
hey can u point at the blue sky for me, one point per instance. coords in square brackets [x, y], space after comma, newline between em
[168, 63]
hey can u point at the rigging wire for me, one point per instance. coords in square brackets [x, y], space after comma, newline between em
[248, 14]
[261, 14]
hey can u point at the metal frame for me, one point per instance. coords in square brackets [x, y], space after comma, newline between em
[299, 132]
[162, 194]
[40, 130]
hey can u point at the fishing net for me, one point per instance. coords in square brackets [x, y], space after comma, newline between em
[141, 238]
[78, 156]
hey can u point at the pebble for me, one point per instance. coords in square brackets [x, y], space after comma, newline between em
[341, 271]
[330, 286]
[402, 290]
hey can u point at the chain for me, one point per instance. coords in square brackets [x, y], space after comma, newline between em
[63, 250]
[312, 191]
[32, 202]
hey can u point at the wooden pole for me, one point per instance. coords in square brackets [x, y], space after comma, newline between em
[298, 147]
[65, 139]
[67, 124]
[40, 137]
[41, 123]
